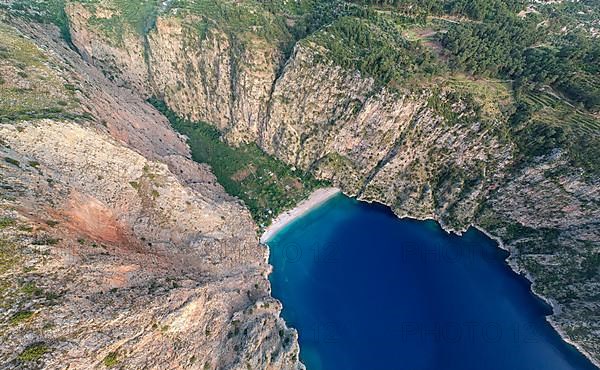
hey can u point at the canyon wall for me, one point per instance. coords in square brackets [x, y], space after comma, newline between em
[114, 244]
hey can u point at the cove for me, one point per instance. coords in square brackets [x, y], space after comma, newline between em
[369, 291]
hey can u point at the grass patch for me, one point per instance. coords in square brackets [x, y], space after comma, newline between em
[265, 184]
[242, 18]
[8, 256]
[52, 223]
[112, 359]
[127, 16]
[548, 108]
[6, 222]
[34, 352]
[45, 241]
[19, 50]
[43, 11]
[12, 161]
[25, 228]
[20, 317]
[493, 96]
[31, 289]
[543, 122]
[44, 96]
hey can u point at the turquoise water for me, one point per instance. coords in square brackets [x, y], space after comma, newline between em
[368, 291]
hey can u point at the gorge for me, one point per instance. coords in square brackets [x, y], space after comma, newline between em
[117, 244]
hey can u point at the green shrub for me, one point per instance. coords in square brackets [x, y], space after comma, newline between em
[8, 256]
[112, 359]
[20, 317]
[30, 288]
[52, 223]
[12, 161]
[34, 352]
[45, 241]
[6, 222]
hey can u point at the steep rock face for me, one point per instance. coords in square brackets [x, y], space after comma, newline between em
[128, 54]
[156, 267]
[203, 88]
[323, 118]
[211, 77]
[556, 255]
[310, 108]
[208, 76]
[115, 245]
[391, 147]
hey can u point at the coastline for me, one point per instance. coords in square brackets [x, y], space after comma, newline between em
[556, 307]
[314, 200]
[320, 196]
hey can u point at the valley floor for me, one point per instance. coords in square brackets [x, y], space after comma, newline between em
[317, 198]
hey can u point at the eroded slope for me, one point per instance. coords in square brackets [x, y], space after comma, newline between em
[115, 245]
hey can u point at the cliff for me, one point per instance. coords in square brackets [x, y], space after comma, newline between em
[113, 243]
[445, 147]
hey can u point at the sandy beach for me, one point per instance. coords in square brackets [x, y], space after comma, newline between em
[317, 198]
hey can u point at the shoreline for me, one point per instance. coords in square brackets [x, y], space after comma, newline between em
[556, 307]
[315, 199]
[321, 195]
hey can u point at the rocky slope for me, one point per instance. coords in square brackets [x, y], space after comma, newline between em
[439, 149]
[113, 243]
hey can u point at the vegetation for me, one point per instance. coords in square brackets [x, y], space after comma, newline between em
[239, 18]
[492, 38]
[375, 47]
[125, 16]
[21, 316]
[543, 123]
[6, 222]
[31, 88]
[506, 44]
[112, 359]
[8, 256]
[502, 39]
[265, 184]
[31, 289]
[44, 11]
[489, 48]
[573, 68]
[34, 352]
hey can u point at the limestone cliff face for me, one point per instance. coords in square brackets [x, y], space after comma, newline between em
[211, 76]
[115, 245]
[390, 147]
[547, 214]
[112, 56]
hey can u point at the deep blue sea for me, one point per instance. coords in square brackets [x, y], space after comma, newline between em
[369, 291]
